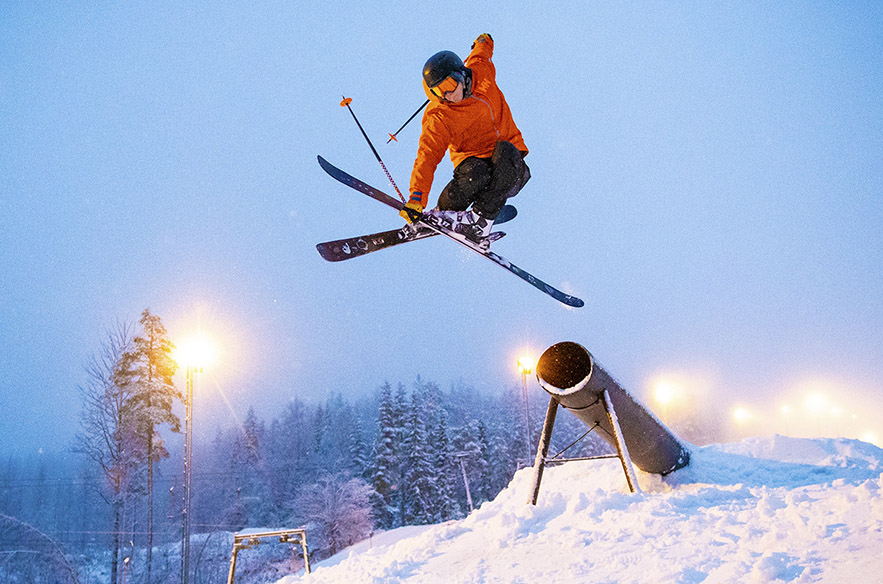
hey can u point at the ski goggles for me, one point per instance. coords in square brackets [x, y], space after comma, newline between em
[448, 84]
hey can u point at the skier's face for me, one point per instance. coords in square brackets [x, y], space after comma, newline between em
[450, 89]
[455, 95]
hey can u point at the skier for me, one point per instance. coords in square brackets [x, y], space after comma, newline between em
[468, 116]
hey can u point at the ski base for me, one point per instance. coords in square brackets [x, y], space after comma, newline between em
[431, 223]
[353, 247]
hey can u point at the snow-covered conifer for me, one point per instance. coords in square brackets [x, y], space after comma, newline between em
[420, 479]
[448, 473]
[148, 369]
[384, 470]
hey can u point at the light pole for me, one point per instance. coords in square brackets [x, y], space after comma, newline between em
[194, 355]
[188, 474]
[460, 456]
[525, 366]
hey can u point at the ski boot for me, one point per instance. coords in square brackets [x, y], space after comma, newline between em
[476, 228]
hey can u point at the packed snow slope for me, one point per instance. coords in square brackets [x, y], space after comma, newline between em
[764, 510]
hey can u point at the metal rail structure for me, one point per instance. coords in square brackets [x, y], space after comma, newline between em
[247, 540]
[574, 381]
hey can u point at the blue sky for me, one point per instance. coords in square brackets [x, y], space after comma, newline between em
[708, 177]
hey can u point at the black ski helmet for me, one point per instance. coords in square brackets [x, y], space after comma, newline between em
[442, 65]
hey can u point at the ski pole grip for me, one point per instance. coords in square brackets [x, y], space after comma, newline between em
[414, 214]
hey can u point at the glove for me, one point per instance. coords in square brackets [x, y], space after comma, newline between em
[412, 205]
[482, 38]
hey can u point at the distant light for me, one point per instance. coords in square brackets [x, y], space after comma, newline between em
[741, 415]
[665, 392]
[786, 410]
[872, 438]
[816, 403]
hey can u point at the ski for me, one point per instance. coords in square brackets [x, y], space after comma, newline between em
[353, 247]
[433, 224]
[355, 183]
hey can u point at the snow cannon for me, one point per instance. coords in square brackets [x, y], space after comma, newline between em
[571, 376]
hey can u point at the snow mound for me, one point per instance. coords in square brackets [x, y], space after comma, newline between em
[764, 510]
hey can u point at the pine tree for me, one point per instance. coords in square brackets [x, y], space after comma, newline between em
[358, 449]
[148, 369]
[215, 502]
[447, 469]
[339, 433]
[247, 460]
[420, 477]
[287, 454]
[400, 451]
[385, 465]
[501, 457]
[431, 399]
[485, 490]
[319, 440]
[465, 443]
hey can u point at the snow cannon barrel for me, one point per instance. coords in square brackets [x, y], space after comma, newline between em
[568, 373]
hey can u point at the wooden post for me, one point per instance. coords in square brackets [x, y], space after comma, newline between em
[232, 574]
[303, 541]
[289, 536]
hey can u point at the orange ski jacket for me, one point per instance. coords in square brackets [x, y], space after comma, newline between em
[471, 127]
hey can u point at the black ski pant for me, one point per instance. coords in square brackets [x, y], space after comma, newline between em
[486, 183]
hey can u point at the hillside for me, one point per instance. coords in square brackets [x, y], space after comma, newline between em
[774, 509]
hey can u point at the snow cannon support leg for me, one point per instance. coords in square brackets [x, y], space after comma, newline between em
[546, 438]
[543, 449]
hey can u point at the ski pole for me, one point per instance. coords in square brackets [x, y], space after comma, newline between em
[346, 103]
[393, 136]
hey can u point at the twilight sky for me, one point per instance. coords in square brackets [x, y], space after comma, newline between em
[707, 177]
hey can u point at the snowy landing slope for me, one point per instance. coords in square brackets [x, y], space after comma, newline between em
[764, 510]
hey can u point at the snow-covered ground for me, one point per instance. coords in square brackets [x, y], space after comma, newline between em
[764, 510]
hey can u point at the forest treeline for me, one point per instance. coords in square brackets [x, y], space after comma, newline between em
[404, 453]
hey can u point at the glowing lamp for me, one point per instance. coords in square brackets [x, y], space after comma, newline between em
[196, 352]
[816, 403]
[741, 415]
[525, 364]
[664, 392]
